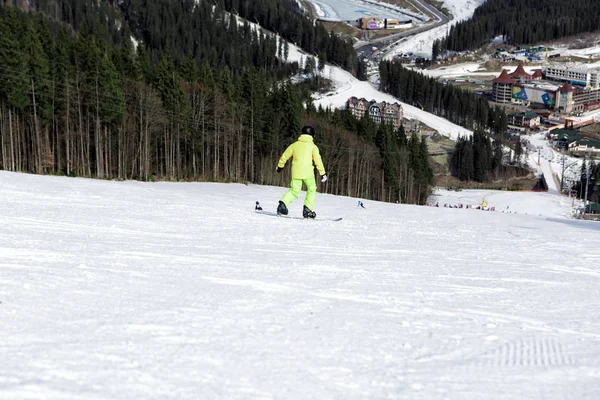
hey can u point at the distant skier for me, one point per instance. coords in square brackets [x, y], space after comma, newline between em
[360, 204]
[257, 207]
[304, 153]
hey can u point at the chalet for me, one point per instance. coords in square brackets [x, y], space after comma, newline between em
[527, 119]
[390, 113]
[358, 107]
[584, 146]
[562, 138]
[375, 112]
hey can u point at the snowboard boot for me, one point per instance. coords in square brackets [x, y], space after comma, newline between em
[282, 209]
[306, 213]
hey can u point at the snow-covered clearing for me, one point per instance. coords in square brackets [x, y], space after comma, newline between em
[462, 69]
[472, 69]
[592, 51]
[129, 290]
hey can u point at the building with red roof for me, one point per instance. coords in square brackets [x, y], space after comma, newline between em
[520, 73]
[568, 96]
[502, 88]
[537, 75]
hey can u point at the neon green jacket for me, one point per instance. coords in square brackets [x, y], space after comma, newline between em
[304, 152]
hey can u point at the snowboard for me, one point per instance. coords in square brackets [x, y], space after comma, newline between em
[274, 214]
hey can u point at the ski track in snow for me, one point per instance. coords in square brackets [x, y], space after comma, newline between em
[123, 290]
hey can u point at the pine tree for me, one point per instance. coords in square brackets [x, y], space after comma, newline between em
[189, 69]
[435, 50]
[36, 65]
[206, 76]
[166, 81]
[14, 85]
[518, 152]
[367, 128]
[291, 109]
[361, 71]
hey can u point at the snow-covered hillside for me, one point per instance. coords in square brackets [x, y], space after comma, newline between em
[128, 290]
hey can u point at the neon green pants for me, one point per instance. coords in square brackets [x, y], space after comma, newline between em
[296, 187]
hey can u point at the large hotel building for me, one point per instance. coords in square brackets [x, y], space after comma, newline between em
[565, 87]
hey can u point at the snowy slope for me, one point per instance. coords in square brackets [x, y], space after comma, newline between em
[348, 86]
[128, 290]
[537, 204]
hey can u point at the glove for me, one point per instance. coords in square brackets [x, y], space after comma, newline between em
[279, 169]
[324, 178]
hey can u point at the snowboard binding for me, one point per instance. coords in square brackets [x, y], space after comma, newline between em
[306, 213]
[282, 209]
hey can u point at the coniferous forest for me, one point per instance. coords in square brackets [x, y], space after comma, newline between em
[476, 158]
[479, 158]
[208, 101]
[524, 22]
[286, 18]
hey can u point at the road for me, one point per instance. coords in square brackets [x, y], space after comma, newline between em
[367, 47]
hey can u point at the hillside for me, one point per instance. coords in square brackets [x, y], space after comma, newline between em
[524, 22]
[85, 104]
[128, 290]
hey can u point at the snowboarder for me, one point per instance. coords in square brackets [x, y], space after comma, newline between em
[360, 204]
[257, 207]
[304, 153]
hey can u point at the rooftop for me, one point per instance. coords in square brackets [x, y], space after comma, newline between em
[566, 88]
[575, 67]
[544, 85]
[503, 78]
[519, 72]
[526, 114]
[530, 114]
[570, 135]
[588, 142]
[592, 207]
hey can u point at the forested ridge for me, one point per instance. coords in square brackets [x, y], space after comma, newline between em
[179, 28]
[83, 101]
[286, 18]
[523, 22]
